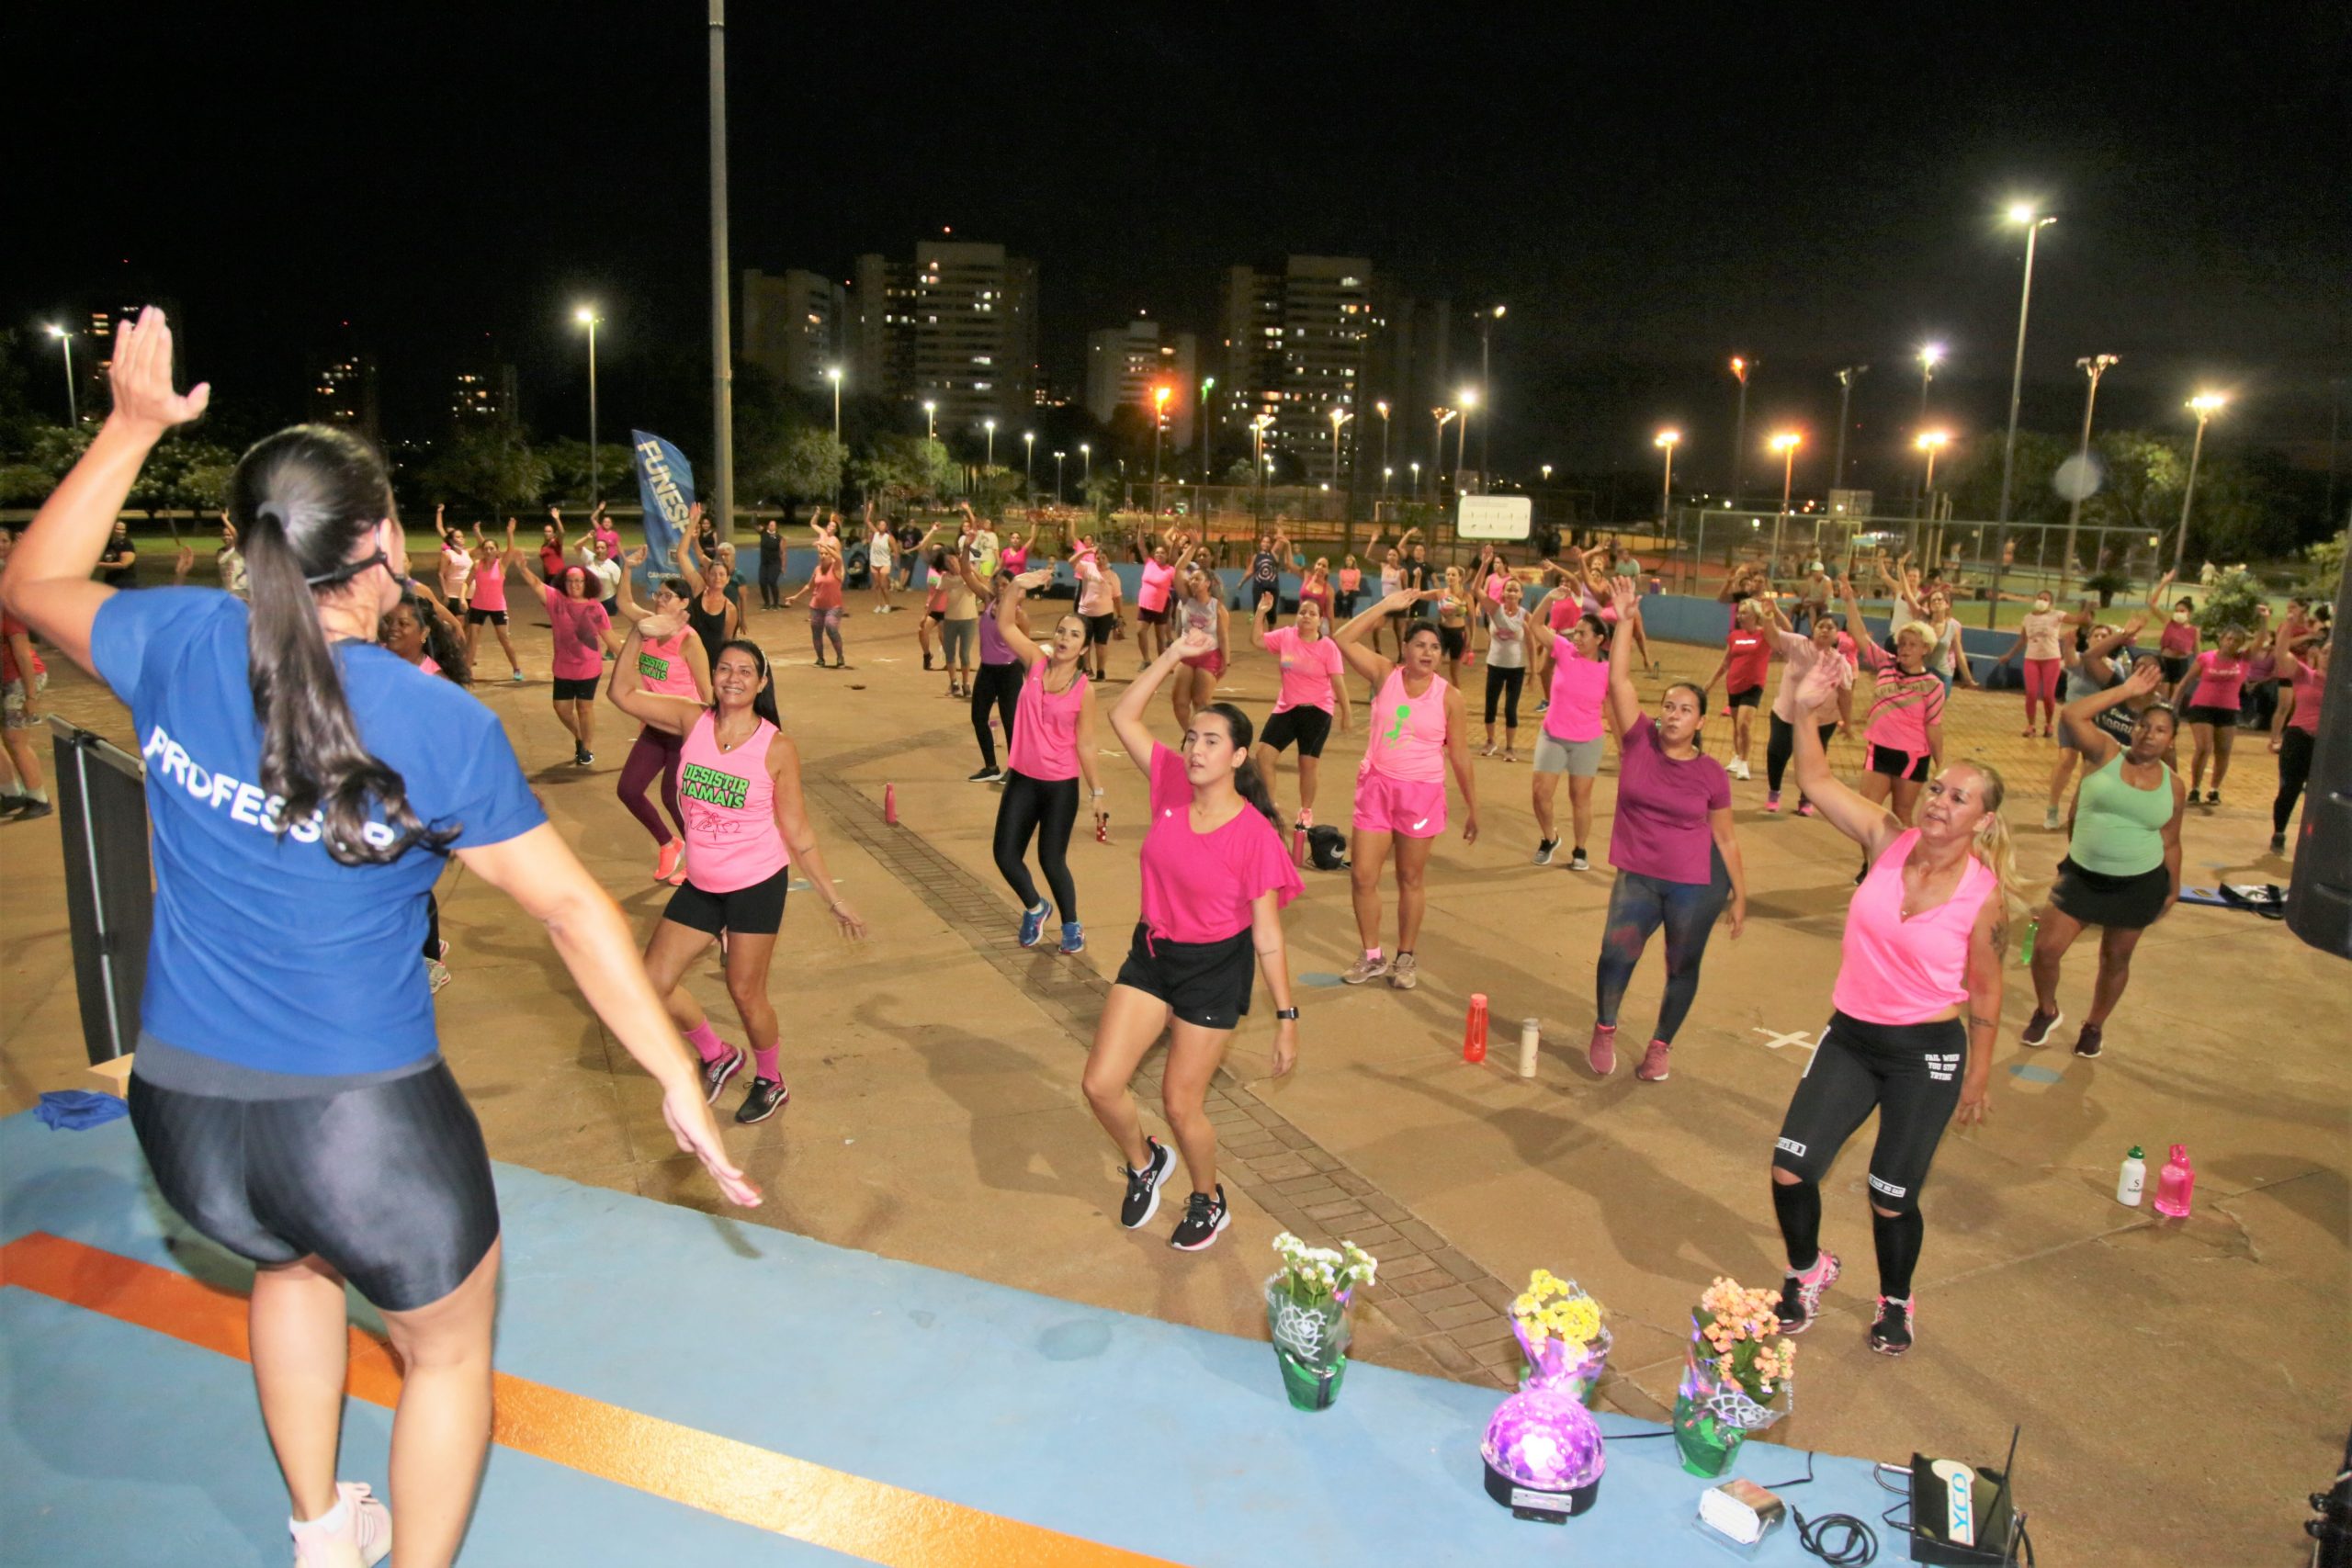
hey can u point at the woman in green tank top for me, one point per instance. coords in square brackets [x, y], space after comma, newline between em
[2121, 872]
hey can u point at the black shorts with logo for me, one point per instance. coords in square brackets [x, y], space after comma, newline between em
[1309, 727]
[1204, 983]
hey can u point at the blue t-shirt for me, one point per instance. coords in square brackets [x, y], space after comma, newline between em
[266, 952]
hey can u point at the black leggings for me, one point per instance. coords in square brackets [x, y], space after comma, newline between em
[2294, 769]
[1046, 808]
[1504, 684]
[997, 686]
[1783, 746]
[1910, 1073]
[1638, 905]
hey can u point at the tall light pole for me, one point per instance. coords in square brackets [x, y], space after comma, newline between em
[988, 425]
[2034, 225]
[588, 318]
[1382, 409]
[1930, 356]
[1930, 441]
[929, 421]
[1029, 461]
[1208, 412]
[1547, 473]
[1486, 319]
[1386, 475]
[1159, 396]
[1416, 467]
[1057, 477]
[2094, 367]
[1468, 399]
[1739, 370]
[1339, 417]
[1666, 441]
[73, 401]
[1845, 379]
[1258, 457]
[1437, 451]
[1086, 456]
[722, 349]
[2205, 405]
[834, 374]
[1786, 443]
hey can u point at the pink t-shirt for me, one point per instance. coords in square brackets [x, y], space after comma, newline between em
[1903, 971]
[578, 627]
[1799, 655]
[2220, 679]
[1156, 580]
[1662, 804]
[1901, 706]
[610, 536]
[1308, 669]
[1408, 733]
[1198, 887]
[1495, 586]
[2309, 685]
[490, 584]
[1014, 560]
[2178, 637]
[662, 664]
[1093, 587]
[1563, 613]
[728, 800]
[1045, 727]
[1351, 578]
[1580, 685]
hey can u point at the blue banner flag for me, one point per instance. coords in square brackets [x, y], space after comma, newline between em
[665, 487]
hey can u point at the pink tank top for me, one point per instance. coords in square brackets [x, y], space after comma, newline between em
[661, 664]
[733, 841]
[1045, 727]
[1898, 971]
[1408, 733]
[490, 584]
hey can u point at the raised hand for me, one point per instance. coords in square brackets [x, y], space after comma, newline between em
[634, 558]
[1194, 643]
[2145, 678]
[142, 376]
[1624, 594]
[1265, 603]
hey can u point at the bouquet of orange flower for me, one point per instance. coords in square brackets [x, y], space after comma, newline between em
[1738, 1375]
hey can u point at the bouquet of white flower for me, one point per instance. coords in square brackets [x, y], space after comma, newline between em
[1306, 1315]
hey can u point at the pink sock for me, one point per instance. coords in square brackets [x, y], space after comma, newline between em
[705, 1039]
[766, 1063]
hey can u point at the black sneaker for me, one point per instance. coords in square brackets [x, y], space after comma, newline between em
[2037, 1027]
[767, 1098]
[1576, 862]
[1143, 1186]
[715, 1073]
[1891, 1334]
[2277, 844]
[984, 775]
[1801, 1293]
[1543, 849]
[2087, 1041]
[1204, 1217]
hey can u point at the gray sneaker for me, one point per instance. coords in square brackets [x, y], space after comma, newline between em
[1404, 972]
[1365, 969]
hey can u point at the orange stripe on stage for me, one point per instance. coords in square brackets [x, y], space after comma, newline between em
[755, 1486]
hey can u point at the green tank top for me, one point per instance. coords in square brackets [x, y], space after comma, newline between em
[2120, 830]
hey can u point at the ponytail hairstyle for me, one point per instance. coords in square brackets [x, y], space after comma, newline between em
[764, 703]
[1992, 845]
[302, 501]
[1247, 780]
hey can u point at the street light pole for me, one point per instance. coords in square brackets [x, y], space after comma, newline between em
[989, 426]
[1339, 417]
[1739, 368]
[1158, 424]
[1665, 442]
[1786, 443]
[722, 349]
[1845, 379]
[930, 422]
[2204, 405]
[1930, 441]
[588, 318]
[1469, 400]
[2033, 227]
[1029, 462]
[1086, 456]
[72, 399]
[1437, 452]
[2094, 367]
[1057, 477]
[1208, 414]
[1257, 462]
[1486, 381]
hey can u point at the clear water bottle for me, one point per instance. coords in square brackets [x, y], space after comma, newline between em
[2133, 1181]
[2175, 1184]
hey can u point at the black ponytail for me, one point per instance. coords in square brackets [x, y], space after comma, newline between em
[764, 703]
[302, 501]
[1246, 778]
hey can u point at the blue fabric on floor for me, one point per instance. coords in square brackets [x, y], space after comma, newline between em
[75, 1109]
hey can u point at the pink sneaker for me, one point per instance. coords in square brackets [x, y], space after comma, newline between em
[1804, 809]
[666, 863]
[1602, 1055]
[1772, 801]
[1653, 1067]
[357, 1529]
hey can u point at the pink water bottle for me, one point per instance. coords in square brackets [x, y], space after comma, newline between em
[2175, 1184]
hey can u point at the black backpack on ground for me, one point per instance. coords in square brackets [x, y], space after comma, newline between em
[1327, 848]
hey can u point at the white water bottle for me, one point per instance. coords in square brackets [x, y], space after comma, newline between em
[1531, 1038]
[2133, 1181]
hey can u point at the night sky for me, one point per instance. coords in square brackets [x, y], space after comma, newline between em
[1648, 196]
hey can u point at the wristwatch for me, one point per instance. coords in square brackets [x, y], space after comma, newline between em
[1290, 1013]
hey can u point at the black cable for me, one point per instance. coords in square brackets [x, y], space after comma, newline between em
[1805, 1480]
[1857, 1545]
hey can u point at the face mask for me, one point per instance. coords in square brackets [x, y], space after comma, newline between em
[2180, 615]
[2041, 606]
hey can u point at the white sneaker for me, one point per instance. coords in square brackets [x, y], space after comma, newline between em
[359, 1531]
[1738, 770]
[2051, 821]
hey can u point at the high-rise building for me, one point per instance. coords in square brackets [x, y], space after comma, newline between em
[343, 392]
[1125, 365]
[956, 327]
[483, 393]
[793, 326]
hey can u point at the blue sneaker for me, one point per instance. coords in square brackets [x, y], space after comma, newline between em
[1033, 922]
[1073, 937]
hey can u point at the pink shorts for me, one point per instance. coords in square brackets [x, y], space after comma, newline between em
[1212, 663]
[1412, 807]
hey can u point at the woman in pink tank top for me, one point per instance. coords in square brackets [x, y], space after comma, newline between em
[488, 605]
[746, 824]
[1052, 750]
[1215, 880]
[671, 662]
[1918, 1010]
[1415, 728]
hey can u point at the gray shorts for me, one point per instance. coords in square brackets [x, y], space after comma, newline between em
[15, 701]
[961, 639]
[1578, 759]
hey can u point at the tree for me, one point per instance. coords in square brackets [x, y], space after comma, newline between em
[902, 467]
[569, 480]
[488, 466]
[2325, 575]
[185, 473]
[808, 467]
[2230, 602]
[41, 463]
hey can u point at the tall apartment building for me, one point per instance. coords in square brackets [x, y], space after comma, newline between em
[1123, 365]
[483, 393]
[793, 326]
[1320, 334]
[957, 326]
[343, 392]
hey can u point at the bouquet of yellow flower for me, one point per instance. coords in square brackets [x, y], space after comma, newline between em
[1560, 1329]
[1738, 1366]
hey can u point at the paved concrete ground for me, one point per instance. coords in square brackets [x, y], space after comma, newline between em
[2183, 1383]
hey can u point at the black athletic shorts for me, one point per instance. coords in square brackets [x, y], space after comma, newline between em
[2219, 718]
[1153, 617]
[1204, 983]
[1898, 765]
[1451, 640]
[567, 689]
[2173, 667]
[1099, 627]
[756, 910]
[1310, 726]
[1752, 697]
[387, 1181]
[476, 617]
[2116, 903]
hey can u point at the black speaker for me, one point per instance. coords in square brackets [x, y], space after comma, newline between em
[2319, 902]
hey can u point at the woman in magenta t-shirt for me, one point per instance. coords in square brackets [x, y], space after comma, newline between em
[582, 634]
[1215, 880]
[2209, 699]
[1311, 691]
[1677, 858]
[2294, 734]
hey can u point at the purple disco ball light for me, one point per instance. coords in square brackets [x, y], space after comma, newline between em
[1543, 1455]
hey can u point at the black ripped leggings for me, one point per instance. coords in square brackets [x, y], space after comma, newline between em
[997, 686]
[1638, 905]
[1783, 746]
[1047, 810]
[2294, 770]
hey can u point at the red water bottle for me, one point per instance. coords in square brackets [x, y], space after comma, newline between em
[2175, 1184]
[1102, 829]
[1298, 848]
[890, 803]
[1474, 1030]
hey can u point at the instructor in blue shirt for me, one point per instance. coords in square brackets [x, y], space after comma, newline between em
[305, 788]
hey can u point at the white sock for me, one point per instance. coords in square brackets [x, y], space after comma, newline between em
[334, 1521]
